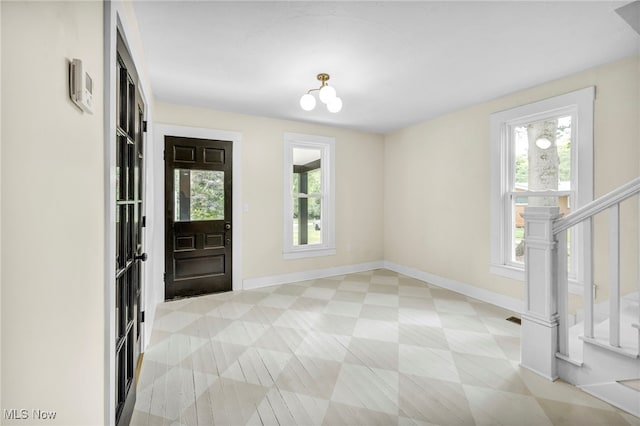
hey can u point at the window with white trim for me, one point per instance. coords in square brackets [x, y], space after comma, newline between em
[541, 154]
[309, 196]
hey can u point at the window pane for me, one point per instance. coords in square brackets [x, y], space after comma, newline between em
[314, 182]
[543, 157]
[306, 156]
[517, 227]
[307, 180]
[307, 221]
[199, 195]
[296, 183]
[307, 170]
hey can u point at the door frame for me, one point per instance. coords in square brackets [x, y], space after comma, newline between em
[160, 130]
[116, 19]
[210, 239]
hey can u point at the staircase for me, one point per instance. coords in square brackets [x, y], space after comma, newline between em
[601, 353]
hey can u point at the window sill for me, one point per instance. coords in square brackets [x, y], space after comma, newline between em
[309, 252]
[512, 272]
[515, 273]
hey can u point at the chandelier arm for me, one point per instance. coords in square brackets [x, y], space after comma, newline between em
[323, 78]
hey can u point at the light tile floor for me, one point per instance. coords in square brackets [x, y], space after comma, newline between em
[374, 348]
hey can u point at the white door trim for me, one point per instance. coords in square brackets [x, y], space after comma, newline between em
[160, 131]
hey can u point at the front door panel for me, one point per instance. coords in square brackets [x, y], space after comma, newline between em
[198, 216]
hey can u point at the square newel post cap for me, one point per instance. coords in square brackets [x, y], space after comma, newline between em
[541, 213]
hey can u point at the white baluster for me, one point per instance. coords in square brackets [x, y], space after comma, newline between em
[563, 292]
[587, 232]
[614, 275]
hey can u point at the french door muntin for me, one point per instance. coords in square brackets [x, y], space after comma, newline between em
[129, 224]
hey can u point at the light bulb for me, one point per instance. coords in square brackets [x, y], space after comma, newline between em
[543, 143]
[327, 93]
[307, 102]
[335, 105]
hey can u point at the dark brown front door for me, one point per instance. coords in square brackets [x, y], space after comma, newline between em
[198, 216]
[129, 227]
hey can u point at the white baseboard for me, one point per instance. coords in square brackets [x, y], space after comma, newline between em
[251, 283]
[500, 300]
[616, 394]
[484, 295]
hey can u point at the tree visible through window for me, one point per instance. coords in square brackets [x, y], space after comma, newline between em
[542, 163]
[541, 155]
[307, 196]
[199, 195]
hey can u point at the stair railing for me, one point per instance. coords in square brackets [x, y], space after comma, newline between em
[545, 320]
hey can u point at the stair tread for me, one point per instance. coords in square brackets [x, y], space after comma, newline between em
[633, 384]
[623, 349]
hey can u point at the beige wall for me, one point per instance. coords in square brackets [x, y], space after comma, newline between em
[359, 182]
[52, 213]
[437, 178]
[393, 198]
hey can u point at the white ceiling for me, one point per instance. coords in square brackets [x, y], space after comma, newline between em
[392, 63]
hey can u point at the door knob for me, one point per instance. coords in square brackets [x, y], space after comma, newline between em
[227, 226]
[142, 257]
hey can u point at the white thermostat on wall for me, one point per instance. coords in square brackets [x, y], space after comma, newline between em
[81, 86]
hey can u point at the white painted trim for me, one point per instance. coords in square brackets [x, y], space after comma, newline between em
[579, 104]
[305, 252]
[507, 271]
[315, 274]
[160, 131]
[327, 147]
[144, 88]
[514, 273]
[115, 20]
[539, 373]
[487, 296]
[469, 290]
[110, 25]
[615, 394]
[603, 203]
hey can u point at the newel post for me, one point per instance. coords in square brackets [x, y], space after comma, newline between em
[539, 332]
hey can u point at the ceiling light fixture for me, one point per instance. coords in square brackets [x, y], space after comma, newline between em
[326, 93]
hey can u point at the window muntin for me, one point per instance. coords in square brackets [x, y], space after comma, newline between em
[309, 196]
[508, 196]
[540, 162]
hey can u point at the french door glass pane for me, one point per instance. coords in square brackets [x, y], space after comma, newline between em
[198, 195]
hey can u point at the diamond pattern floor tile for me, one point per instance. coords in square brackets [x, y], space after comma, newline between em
[372, 348]
[366, 387]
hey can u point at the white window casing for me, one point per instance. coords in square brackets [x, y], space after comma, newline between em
[577, 104]
[326, 146]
